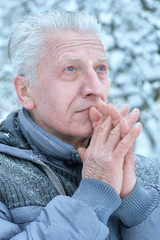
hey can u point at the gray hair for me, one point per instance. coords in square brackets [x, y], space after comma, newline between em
[26, 43]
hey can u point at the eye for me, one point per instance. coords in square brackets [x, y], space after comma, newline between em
[101, 68]
[70, 68]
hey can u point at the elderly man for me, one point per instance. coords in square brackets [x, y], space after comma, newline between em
[67, 165]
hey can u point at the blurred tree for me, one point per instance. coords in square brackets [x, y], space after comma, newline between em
[132, 43]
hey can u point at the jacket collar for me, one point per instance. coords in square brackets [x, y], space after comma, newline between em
[21, 137]
[43, 142]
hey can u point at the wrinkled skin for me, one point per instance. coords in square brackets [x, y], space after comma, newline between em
[71, 78]
[109, 157]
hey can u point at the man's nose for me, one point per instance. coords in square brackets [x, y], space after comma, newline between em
[92, 85]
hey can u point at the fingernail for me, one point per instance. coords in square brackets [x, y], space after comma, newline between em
[99, 101]
[135, 111]
[138, 125]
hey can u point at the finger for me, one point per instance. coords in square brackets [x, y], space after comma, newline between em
[121, 129]
[133, 116]
[128, 121]
[129, 176]
[115, 135]
[110, 109]
[126, 143]
[101, 133]
[113, 139]
[124, 127]
[124, 109]
[129, 161]
[81, 151]
[114, 113]
[102, 125]
[117, 113]
[102, 107]
[94, 116]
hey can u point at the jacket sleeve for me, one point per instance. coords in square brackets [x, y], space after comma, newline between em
[7, 227]
[140, 210]
[140, 214]
[66, 217]
[62, 218]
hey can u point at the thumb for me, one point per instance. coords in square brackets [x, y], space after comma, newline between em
[81, 152]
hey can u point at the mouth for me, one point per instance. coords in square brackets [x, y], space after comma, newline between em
[85, 109]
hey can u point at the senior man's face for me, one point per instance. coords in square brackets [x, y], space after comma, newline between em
[71, 79]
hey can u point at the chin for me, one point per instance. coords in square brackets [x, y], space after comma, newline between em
[85, 132]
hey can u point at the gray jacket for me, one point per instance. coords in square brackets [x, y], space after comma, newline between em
[37, 202]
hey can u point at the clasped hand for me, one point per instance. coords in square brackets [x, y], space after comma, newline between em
[109, 156]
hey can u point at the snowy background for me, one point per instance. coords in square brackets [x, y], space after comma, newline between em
[132, 43]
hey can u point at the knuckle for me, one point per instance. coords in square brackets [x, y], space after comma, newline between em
[123, 144]
[114, 132]
[98, 130]
[92, 156]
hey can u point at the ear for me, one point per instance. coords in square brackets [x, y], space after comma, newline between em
[23, 90]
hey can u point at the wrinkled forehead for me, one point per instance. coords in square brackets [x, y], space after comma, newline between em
[71, 43]
[75, 35]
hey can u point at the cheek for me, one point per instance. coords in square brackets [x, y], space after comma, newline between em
[105, 90]
[107, 87]
[66, 93]
[58, 102]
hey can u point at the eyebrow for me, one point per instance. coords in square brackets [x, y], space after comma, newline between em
[71, 58]
[102, 59]
[78, 58]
